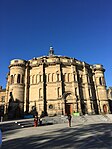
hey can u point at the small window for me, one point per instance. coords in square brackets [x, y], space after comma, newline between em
[18, 78]
[12, 79]
[40, 93]
[53, 77]
[58, 91]
[50, 106]
[100, 81]
[75, 91]
[57, 77]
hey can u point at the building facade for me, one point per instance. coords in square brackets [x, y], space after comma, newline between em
[56, 85]
[2, 100]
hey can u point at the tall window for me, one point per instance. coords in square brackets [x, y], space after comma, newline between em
[58, 91]
[48, 77]
[57, 77]
[53, 77]
[18, 78]
[40, 78]
[76, 91]
[64, 77]
[37, 78]
[100, 81]
[12, 79]
[40, 93]
[69, 75]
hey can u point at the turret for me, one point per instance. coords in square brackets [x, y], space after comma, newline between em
[101, 88]
[16, 84]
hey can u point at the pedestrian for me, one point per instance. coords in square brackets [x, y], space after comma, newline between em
[40, 121]
[35, 121]
[69, 120]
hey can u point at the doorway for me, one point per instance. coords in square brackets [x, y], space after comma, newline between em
[68, 109]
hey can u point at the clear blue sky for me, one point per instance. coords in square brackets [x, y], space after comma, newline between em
[76, 28]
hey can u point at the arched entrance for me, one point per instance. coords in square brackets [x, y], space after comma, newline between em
[67, 97]
[105, 108]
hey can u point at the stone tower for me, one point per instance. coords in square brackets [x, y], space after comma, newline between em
[101, 92]
[15, 85]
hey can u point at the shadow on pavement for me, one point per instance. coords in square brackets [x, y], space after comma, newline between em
[93, 136]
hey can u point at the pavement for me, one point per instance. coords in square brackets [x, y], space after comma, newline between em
[83, 134]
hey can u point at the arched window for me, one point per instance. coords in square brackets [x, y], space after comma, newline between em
[57, 77]
[69, 77]
[12, 79]
[58, 91]
[40, 93]
[100, 81]
[53, 77]
[37, 78]
[76, 91]
[40, 78]
[48, 77]
[64, 77]
[18, 78]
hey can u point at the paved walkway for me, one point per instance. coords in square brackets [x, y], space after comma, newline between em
[60, 136]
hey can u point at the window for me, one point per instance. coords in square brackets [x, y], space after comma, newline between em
[40, 79]
[57, 77]
[76, 91]
[37, 78]
[40, 93]
[58, 91]
[18, 78]
[12, 79]
[49, 77]
[53, 77]
[64, 77]
[50, 106]
[100, 81]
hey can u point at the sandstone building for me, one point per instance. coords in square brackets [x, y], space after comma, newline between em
[56, 85]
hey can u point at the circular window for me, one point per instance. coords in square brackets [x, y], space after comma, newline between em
[50, 106]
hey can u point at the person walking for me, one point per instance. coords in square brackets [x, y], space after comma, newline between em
[35, 121]
[69, 120]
